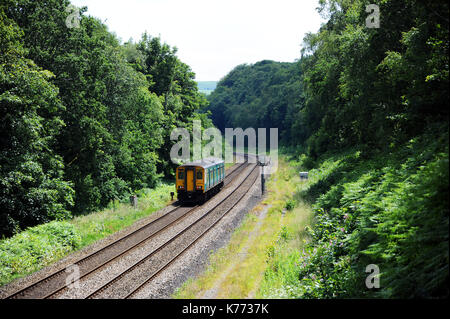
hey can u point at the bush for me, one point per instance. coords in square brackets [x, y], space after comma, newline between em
[36, 247]
[389, 210]
[290, 204]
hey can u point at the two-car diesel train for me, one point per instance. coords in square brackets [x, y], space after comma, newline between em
[198, 181]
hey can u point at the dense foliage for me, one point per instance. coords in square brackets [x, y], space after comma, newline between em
[266, 94]
[33, 189]
[368, 108]
[85, 119]
[36, 247]
[390, 210]
[384, 93]
[376, 87]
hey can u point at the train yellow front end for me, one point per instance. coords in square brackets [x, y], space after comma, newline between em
[198, 181]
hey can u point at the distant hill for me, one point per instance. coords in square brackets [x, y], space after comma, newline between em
[206, 86]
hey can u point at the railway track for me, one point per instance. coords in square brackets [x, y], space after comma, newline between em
[55, 283]
[162, 257]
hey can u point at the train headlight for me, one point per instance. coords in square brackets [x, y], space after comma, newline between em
[199, 187]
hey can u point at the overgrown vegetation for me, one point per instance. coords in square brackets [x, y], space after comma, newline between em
[365, 110]
[36, 247]
[39, 246]
[391, 211]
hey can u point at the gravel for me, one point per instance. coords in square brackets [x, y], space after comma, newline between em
[74, 257]
[133, 278]
[189, 264]
[194, 262]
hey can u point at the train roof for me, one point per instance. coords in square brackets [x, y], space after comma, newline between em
[205, 162]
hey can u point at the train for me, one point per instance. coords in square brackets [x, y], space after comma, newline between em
[198, 181]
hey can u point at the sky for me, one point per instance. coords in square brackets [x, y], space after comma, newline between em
[214, 36]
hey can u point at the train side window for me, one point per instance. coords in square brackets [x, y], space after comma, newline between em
[180, 174]
[199, 175]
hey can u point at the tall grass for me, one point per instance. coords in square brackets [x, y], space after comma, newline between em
[237, 275]
[36, 247]
[118, 215]
[39, 246]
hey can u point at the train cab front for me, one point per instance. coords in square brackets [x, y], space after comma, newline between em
[189, 184]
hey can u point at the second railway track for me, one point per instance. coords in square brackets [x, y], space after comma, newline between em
[129, 281]
[55, 283]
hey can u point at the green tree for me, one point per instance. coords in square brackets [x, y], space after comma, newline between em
[266, 94]
[32, 185]
[173, 81]
[108, 144]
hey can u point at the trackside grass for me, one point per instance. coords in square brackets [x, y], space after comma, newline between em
[99, 225]
[39, 246]
[260, 256]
